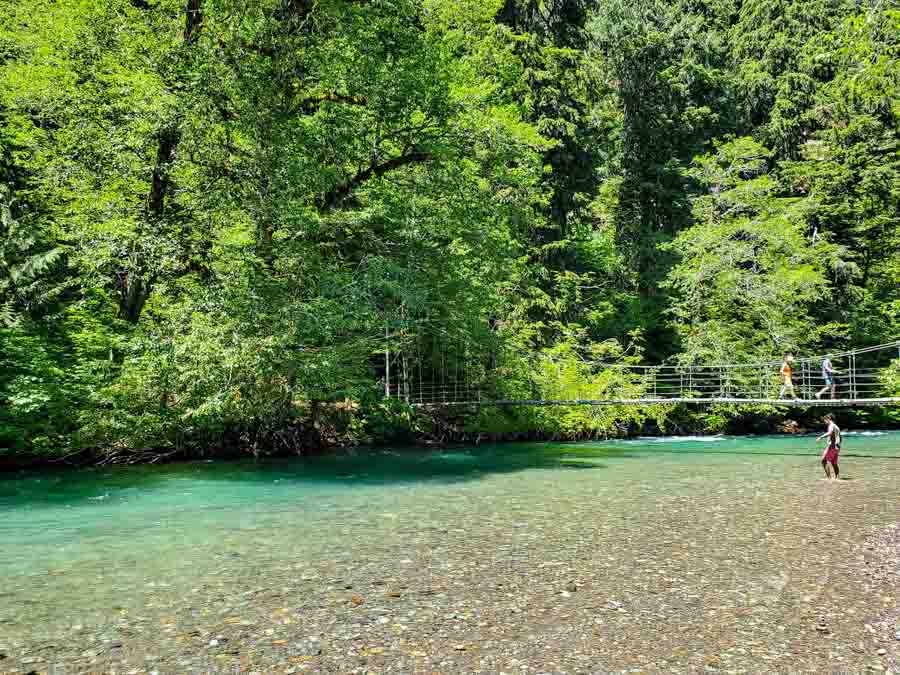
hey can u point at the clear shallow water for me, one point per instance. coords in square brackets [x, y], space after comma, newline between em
[82, 547]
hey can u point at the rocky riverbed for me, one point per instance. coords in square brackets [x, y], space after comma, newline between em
[713, 566]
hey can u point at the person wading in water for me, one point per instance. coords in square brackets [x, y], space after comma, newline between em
[830, 456]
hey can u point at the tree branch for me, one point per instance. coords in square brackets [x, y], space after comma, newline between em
[338, 194]
[312, 103]
[298, 11]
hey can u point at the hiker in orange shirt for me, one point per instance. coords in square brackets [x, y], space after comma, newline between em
[787, 374]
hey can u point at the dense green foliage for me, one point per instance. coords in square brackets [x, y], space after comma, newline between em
[221, 218]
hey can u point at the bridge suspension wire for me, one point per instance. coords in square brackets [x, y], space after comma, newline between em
[861, 377]
[886, 347]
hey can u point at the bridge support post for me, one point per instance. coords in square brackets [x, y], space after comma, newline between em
[805, 377]
[387, 366]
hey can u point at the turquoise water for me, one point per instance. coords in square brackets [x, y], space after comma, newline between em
[83, 546]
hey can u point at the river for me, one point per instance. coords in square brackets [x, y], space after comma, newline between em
[645, 553]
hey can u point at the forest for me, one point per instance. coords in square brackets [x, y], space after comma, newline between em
[233, 225]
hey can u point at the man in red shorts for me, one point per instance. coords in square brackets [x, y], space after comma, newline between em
[830, 456]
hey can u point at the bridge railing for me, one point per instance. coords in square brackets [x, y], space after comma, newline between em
[858, 377]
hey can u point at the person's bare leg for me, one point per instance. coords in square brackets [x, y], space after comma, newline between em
[837, 472]
[825, 466]
[834, 391]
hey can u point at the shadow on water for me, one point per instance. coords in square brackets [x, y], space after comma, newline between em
[368, 467]
[363, 467]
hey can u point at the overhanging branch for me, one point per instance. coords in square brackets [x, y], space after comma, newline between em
[312, 103]
[338, 194]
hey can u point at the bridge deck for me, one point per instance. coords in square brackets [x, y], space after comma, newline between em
[797, 403]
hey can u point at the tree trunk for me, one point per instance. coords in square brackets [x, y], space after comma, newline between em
[136, 284]
[193, 19]
[160, 184]
[133, 294]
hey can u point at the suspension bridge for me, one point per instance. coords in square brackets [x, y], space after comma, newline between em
[868, 376]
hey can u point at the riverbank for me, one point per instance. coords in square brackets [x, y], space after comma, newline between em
[666, 555]
[439, 427]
